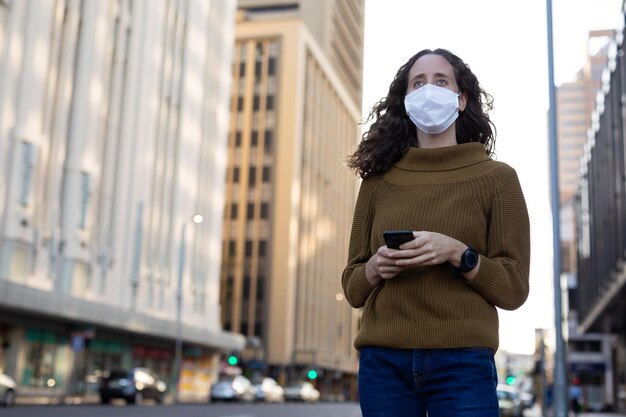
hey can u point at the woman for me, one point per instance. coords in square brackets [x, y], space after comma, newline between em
[430, 326]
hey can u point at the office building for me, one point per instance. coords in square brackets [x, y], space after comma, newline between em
[576, 101]
[289, 205]
[113, 130]
[336, 25]
[597, 336]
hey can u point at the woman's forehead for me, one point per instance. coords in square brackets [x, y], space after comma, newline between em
[431, 64]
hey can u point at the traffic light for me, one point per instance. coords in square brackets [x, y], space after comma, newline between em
[510, 380]
[311, 374]
[233, 360]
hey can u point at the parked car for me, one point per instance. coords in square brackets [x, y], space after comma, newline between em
[527, 399]
[302, 391]
[233, 388]
[509, 401]
[270, 391]
[526, 393]
[8, 389]
[133, 385]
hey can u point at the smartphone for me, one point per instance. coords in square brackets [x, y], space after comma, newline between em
[395, 238]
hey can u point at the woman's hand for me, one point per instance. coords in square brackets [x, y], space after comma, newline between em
[428, 248]
[380, 266]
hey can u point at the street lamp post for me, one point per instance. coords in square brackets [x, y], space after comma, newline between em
[178, 350]
[560, 361]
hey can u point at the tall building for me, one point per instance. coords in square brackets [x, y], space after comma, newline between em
[601, 243]
[589, 355]
[113, 134]
[576, 101]
[289, 205]
[336, 25]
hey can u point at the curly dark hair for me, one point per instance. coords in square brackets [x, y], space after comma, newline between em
[392, 132]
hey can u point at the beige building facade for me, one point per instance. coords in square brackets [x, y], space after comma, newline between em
[336, 25]
[113, 130]
[289, 205]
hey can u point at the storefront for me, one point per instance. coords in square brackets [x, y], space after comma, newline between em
[55, 359]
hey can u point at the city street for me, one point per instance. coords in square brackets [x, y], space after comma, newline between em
[195, 410]
[120, 409]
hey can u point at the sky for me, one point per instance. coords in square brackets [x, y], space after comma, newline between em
[505, 45]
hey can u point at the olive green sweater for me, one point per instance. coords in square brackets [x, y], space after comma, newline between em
[460, 192]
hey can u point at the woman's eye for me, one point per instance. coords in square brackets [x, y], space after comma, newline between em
[441, 82]
[418, 84]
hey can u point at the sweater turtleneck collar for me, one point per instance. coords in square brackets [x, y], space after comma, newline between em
[443, 159]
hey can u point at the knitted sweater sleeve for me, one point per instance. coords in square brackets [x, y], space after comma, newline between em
[503, 277]
[355, 285]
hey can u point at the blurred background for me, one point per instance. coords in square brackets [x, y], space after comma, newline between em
[175, 203]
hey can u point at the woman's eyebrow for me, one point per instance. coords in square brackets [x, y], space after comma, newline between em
[437, 75]
[442, 75]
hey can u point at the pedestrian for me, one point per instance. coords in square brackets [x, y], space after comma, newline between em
[575, 395]
[429, 326]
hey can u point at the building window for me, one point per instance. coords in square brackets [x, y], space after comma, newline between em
[268, 141]
[41, 352]
[252, 178]
[264, 210]
[246, 287]
[28, 166]
[584, 236]
[233, 211]
[258, 53]
[250, 214]
[254, 138]
[236, 174]
[85, 195]
[258, 329]
[238, 138]
[270, 103]
[248, 248]
[271, 66]
[240, 103]
[262, 247]
[232, 248]
[260, 288]
[266, 174]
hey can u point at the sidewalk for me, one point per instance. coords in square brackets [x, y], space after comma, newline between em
[77, 400]
[597, 414]
[536, 412]
[48, 400]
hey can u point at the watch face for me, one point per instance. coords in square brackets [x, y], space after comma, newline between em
[470, 259]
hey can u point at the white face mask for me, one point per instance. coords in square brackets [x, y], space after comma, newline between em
[433, 109]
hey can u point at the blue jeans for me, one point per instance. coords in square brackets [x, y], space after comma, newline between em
[434, 382]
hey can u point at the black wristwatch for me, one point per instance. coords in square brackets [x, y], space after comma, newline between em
[469, 260]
